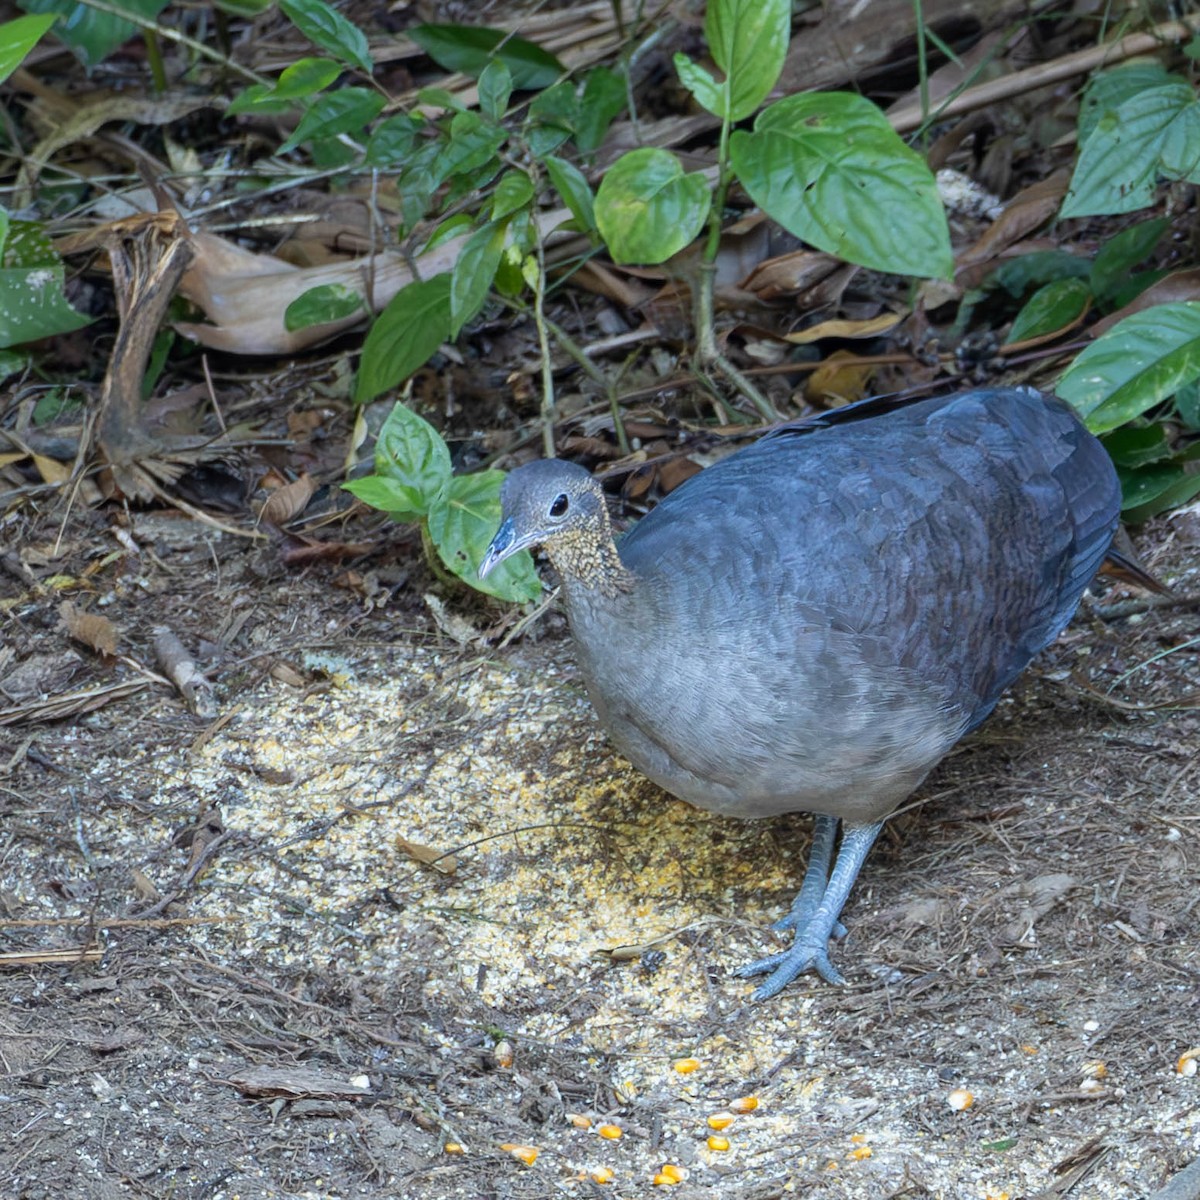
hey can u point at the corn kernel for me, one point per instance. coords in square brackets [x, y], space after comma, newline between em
[685, 1066]
[743, 1104]
[579, 1120]
[602, 1175]
[1094, 1070]
[720, 1120]
[861, 1152]
[612, 1132]
[527, 1154]
[1187, 1065]
[960, 1099]
[676, 1173]
[661, 1180]
[502, 1052]
[454, 1148]
[858, 1138]
[718, 1143]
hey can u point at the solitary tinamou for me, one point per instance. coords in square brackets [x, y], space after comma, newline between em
[813, 622]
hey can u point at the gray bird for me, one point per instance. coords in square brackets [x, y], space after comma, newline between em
[813, 622]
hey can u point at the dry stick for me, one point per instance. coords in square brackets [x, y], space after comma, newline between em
[905, 120]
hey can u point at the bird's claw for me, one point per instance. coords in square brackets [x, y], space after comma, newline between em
[796, 921]
[785, 966]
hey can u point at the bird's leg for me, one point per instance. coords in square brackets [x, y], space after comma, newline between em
[816, 878]
[811, 947]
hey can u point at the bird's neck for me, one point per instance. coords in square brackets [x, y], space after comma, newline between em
[591, 564]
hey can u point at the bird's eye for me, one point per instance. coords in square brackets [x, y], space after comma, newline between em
[560, 505]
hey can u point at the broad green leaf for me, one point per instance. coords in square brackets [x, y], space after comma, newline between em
[404, 337]
[1187, 405]
[1049, 309]
[257, 98]
[1140, 362]
[32, 302]
[1110, 89]
[306, 77]
[495, 89]
[1152, 490]
[11, 361]
[326, 302]
[389, 495]
[449, 229]
[463, 522]
[648, 208]
[603, 100]
[324, 26]
[411, 453]
[1137, 445]
[473, 274]
[748, 40]
[92, 34]
[473, 143]
[348, 110]
[1017, 275]
[18, 37]
[391, 141]
[707, 92]
[831, 170]
[1122, 158]
[469, 49]
[515, 190]
[572, 185]
[1116, 259]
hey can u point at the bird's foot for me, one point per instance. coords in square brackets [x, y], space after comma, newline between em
[805, 954]
[797, 920]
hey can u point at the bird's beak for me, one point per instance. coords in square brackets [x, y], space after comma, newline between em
[501, 546]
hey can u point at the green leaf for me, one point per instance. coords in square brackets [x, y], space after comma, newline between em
[405, 336]
[1137, 445]
[257, 98]
[348, 110]
[388, 495]
[706, 91]
[1110, 89]
[1017, 275]
[1140, 362]
[324, 26]
[831, 170]
[473, 274]
[515, 190]
[18, 37]
[1187, 405]
[91, 34]
[1119, 255]
[412, 454]
[462, 524]
[11, 361]
[306, 77]
[1049, 309]
[648, 208]
[572, 185]
[32, 302]
[1152, 490]
[748, 40]
[391, 141]
[326, 302]
[1122, 158]
[473, 143]
[469, 49]
[495, 89]
[603, 100]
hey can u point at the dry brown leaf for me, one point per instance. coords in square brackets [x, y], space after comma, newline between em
[1179, 285]
[839, 380]
[50, 469]
[447, 864]
[1028, 210]
[845, 329]
[285, 674]
[790, 273]
[92, 629]
[288, 501]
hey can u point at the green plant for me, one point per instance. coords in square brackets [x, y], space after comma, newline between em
[458, 514]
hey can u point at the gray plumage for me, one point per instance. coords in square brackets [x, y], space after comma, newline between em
[813, 622]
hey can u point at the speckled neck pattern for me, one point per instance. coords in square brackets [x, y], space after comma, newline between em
[587, 558]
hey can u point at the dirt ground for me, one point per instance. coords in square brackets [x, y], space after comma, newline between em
[255, 986]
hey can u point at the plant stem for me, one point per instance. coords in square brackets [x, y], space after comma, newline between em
[596, 375]
[539, 319]
[158, 71]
